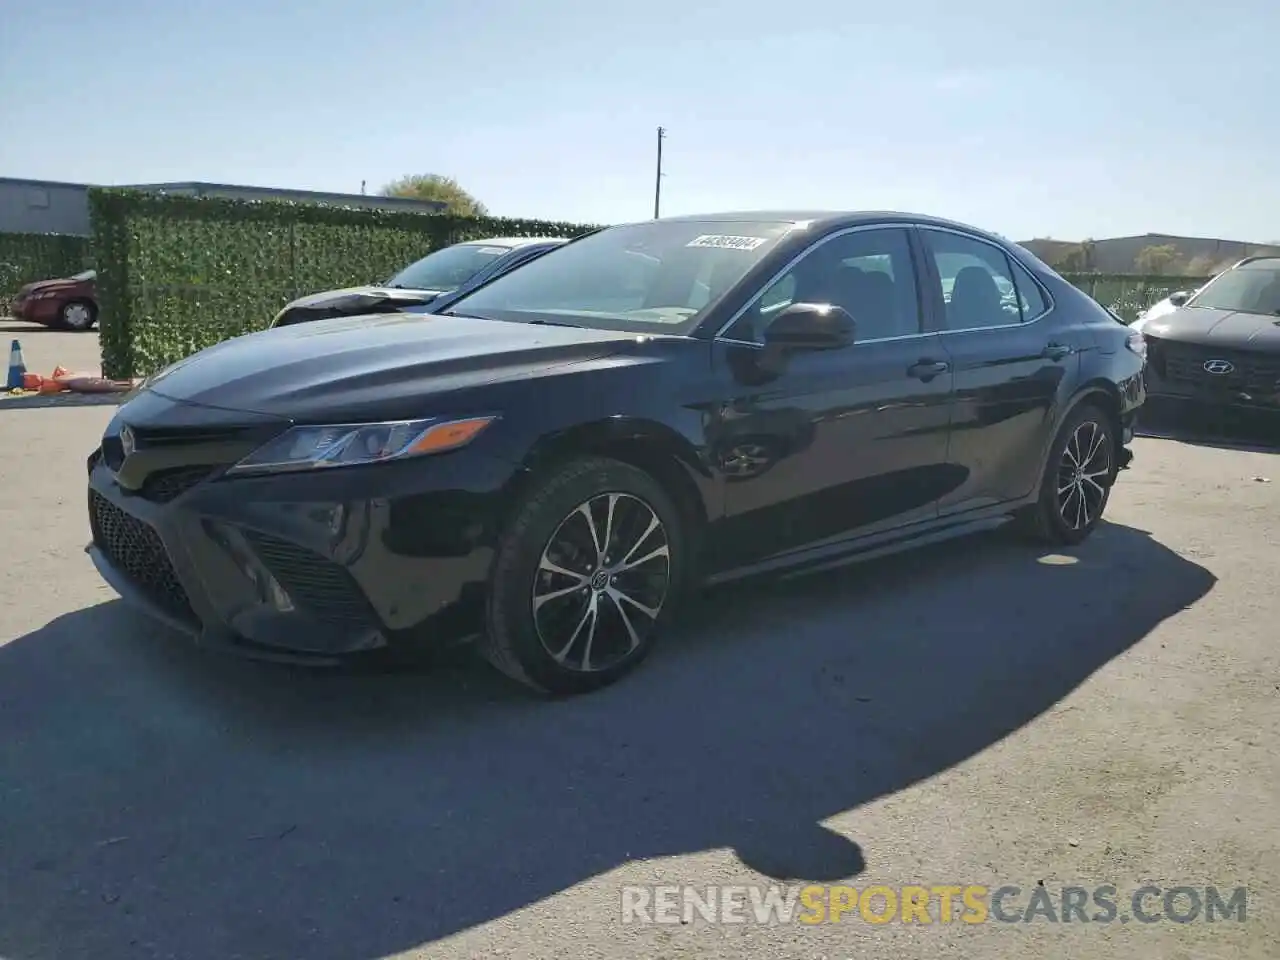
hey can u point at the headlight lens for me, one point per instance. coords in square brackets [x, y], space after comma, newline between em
[344, 445]
[1137, 343]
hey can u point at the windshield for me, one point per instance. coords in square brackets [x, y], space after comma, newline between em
[86, 275]
[1252, 288]
[449, 268]
[640, 276]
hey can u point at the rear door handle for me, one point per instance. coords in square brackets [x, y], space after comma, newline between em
[926, 370]
[1056, 351]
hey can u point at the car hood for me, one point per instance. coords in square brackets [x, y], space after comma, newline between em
[42, 286]
[393, 364]
[357, 297]
[1217, 328]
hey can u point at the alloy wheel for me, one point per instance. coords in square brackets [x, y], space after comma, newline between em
[1082, 474]
[601, 582]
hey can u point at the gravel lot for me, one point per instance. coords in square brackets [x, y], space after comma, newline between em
[981, 714]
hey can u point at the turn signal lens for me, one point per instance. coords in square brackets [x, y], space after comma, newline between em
[448, 436]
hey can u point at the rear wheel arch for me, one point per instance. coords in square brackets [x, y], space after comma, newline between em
[1106, 396]
[1102, 393]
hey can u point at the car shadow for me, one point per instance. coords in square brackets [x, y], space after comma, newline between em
[21, 326]
[164, 801]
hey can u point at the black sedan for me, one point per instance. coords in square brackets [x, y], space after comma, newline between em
[548, 465]
[425, 284]
[1220, 349]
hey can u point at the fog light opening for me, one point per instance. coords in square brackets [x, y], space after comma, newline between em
[280, 600]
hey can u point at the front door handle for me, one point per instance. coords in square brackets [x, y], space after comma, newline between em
[926, 370]
[1055, 351]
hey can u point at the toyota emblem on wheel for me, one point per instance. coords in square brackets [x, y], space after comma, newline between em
[1219, 367]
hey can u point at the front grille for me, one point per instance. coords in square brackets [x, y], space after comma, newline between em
[164, 485]
[151, 436]
[322, 586]
[135, 549]
[1184, 363]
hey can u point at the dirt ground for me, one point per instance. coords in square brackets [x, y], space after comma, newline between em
[979, 714]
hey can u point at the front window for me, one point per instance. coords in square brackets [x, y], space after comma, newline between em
[867, 272]
[1252, 288]
[449, 268]
[85, 275]
[663, 274]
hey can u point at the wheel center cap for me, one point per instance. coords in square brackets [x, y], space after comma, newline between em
[599, 580]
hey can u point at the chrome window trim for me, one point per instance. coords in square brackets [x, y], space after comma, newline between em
[1044, 292]
[783, 271]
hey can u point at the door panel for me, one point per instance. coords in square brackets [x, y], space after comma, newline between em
[821, 446]
[1009, 371]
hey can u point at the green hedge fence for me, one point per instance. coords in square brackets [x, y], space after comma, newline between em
[25, 257]
[177, 274]
[1127, 295]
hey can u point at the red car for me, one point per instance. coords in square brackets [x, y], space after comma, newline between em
[70, 303]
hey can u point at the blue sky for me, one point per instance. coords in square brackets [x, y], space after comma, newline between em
[1068, 120]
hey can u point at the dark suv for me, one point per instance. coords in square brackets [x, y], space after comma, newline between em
[1221, 347]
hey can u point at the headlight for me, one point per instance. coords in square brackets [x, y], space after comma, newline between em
[344, 445]
[1137, 343]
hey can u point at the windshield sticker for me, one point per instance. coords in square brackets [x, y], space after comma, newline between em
[727, 243]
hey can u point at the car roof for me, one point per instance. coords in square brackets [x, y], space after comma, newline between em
[1260, 260]
[828, 219]
[512, 242]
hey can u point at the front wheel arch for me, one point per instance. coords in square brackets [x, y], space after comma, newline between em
[647, 445]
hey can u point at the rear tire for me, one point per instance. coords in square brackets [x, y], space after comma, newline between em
[1078, 477]
[586, 577]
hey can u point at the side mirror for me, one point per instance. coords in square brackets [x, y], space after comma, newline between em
[1180, 298]
[811, 326]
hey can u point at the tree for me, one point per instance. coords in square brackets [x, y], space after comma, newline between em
[1157, 260]
[442, 189]
[1205, 265]
[1078, 259]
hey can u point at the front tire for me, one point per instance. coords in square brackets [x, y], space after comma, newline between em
[1078, 477]
[78, 315]
[586, 577]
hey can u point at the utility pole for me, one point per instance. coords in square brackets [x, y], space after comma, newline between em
[657, 183]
